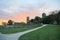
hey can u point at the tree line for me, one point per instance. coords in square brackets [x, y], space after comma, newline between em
[52, 18]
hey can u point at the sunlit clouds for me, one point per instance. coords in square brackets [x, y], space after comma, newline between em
[18, 10]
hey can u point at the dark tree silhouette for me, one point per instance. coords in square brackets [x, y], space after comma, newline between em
[52, 18]
[32, 20]
[10, 22]
[44, 20]
[37, 19]
[43, 14]
[58, 17]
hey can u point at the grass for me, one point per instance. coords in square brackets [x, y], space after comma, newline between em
[51, 32]
[14, 30]
[10, 30]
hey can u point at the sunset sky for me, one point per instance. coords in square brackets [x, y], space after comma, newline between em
[18, 10]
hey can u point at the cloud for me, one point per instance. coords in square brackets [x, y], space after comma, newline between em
[15, 9]
[14, 6]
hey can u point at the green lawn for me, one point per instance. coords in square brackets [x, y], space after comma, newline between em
[14, 30]
[51, 32]
[9, 30]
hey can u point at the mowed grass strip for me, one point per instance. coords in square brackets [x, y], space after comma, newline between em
[51, 32]
[14, 30]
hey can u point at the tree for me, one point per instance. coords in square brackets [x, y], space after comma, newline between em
[10, 22]
[44, 15]
[58, 17]
[37, 19]
[49, 19]
[32, 20]
[44, 20]
[53, 18]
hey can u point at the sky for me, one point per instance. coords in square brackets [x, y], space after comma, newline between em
[18, 10]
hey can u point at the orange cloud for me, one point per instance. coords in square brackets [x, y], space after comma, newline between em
[22, 17]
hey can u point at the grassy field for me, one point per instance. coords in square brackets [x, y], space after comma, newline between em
[51, 32]
[14, 30]
[9, 30]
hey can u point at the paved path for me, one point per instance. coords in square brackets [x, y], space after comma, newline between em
[15, 36]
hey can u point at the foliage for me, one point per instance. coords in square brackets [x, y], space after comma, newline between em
[10, 22]
[52, 18]
[36, 20]
[58, 17]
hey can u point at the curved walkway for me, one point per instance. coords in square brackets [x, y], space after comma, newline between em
[16, 36]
